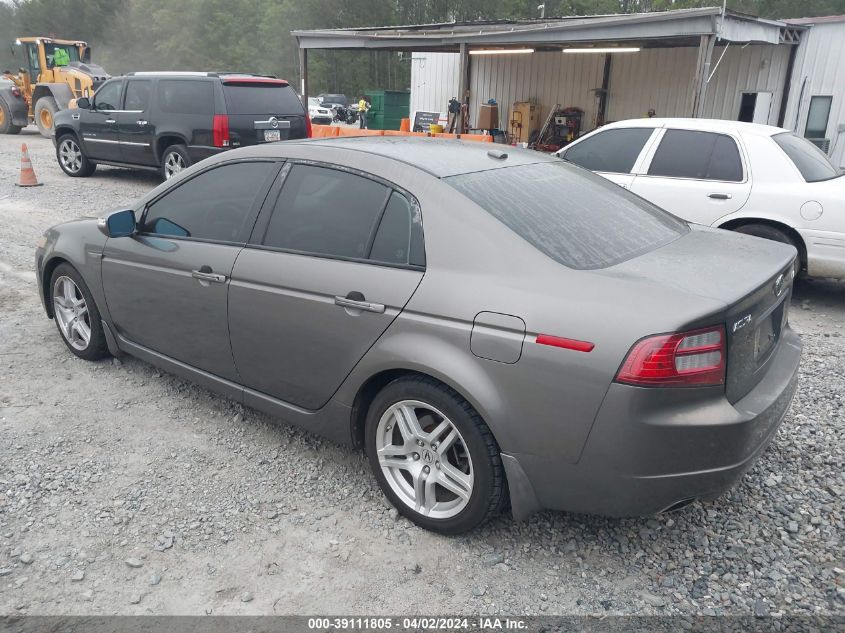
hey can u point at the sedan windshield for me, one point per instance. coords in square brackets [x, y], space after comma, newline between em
[813, 163]
[575, 217]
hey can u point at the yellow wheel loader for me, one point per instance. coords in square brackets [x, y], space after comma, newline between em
[53, 72]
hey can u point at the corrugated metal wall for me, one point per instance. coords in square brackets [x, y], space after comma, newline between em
[549, 78]
[434, 80]
[757, 68]
[820, 69]
[659, 78]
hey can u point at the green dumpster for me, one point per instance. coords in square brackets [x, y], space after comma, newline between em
[387, 108]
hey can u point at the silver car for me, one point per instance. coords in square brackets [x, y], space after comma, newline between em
[490, 325]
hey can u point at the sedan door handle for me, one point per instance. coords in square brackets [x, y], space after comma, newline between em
[355, 304]
[141, 122]
[111, 121]
[720, 196]
[205, 274]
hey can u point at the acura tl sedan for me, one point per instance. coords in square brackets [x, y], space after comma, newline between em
[492, 327]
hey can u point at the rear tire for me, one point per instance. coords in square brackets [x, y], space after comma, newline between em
[77, 317]
[72, 159]
[771, 233]
[173, 160]
[443, 469]
[45, 115]
[6, 126]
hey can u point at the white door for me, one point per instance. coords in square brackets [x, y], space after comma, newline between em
[698, 176]
[613, 153]
[762, 108]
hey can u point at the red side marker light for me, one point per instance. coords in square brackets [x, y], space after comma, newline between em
[565, 343]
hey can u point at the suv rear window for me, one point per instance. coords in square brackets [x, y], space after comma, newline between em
[261, 99]
[577, 218]
[813, 163]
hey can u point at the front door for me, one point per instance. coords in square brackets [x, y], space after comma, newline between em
[167, 286]
[698, 176]
[136, 132]
[98, 124]
[335, 263]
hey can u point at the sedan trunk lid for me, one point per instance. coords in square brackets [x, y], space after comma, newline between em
[751, 276]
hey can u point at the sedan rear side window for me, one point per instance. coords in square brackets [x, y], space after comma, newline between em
[214, 205]
[326, 211]
[813, 163]
[698, 155]
[577, 218]
[613, 151]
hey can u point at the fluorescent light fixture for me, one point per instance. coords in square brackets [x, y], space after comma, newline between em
[616, 49]
[501, 51]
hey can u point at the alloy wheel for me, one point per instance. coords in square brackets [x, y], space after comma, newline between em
[424, 459]
[71, 313]
[173, 164]
[70, 155]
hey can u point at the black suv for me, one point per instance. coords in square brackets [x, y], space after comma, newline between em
[168, 121]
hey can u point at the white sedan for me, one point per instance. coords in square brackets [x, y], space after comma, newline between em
[750, 178]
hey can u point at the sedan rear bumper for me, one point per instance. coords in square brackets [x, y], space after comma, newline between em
[655, 449]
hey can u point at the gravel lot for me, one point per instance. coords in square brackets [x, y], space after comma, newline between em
[126, 490]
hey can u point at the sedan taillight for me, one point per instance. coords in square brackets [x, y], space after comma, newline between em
[694, 358]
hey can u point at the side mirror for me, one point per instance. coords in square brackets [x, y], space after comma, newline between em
[84, 103]
[118, 223]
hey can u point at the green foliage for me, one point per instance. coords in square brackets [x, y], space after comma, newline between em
[255, 35]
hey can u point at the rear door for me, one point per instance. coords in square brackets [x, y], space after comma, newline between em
[612, 153]
[698, 176]
[331, 263]
[135, 131]
[261, 110]
[98, 124]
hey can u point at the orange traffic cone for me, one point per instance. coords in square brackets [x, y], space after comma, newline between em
[27, 178]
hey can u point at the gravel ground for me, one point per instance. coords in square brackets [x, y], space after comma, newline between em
[126, 490]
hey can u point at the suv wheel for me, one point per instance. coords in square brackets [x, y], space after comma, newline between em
[174, 160]
[71, 159]
[433, 456]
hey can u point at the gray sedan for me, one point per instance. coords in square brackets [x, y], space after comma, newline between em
[491, 326]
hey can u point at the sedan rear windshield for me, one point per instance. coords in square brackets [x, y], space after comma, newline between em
[813, 163]
[261, 99]
[575, 217]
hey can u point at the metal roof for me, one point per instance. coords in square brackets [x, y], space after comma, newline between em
[677, 27]
[825, 19]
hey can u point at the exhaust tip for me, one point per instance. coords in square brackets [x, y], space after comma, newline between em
[678, 505]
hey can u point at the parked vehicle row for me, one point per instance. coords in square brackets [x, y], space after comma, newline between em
[169, 121]
[749, 178]
[483, 346]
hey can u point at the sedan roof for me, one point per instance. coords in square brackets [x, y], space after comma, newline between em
[703, 125]
[439, 157]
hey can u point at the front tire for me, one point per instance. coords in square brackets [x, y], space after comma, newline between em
[6, 126]
[433, 456]
[72, 159]
[771, 233]
[45, 114]
[174, 159]
[76, 314]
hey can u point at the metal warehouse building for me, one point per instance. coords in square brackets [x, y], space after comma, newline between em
[691, 62]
